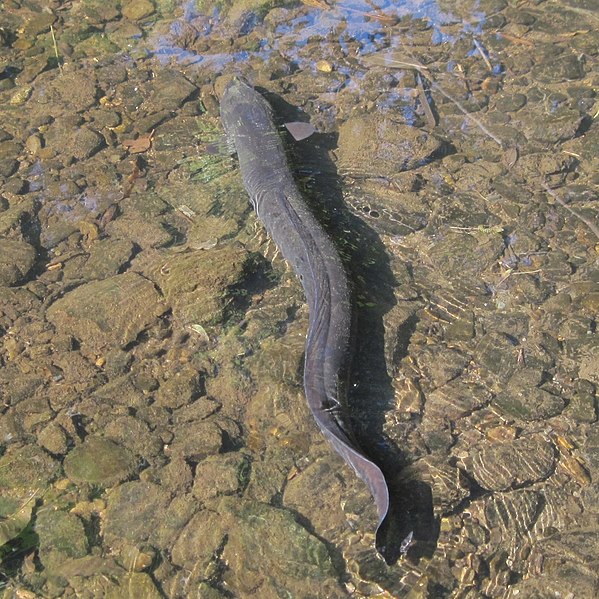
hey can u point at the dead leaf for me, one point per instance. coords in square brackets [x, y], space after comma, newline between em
[142, 144]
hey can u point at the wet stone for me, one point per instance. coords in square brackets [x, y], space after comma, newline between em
[120, 391]
[558, 127]
[372, 146]
[497, 353]
[388, 210]
[113, 311]
[53, 439]
[135, 435]
[179, 390]
[555, 69]
[136, 584]
[100, 11]
[16, 260]
[463, 254]
[437, 436]
[196, 284]
[131, 506]
[198, 441]
[226, 474]
[510, 103]
[143, 232]
[195, 411]
[581, 407]
[137, 9]
[100, 462]
[77, 570]
[176, 475]
[32, 68]
[259, 540]
[111, 74]
[8, 167]
[17, 387]
[525, 379]
[16, 186]
[528, 404]
[588, 356]
[171, 89]
[173, 519]
[454, 401]
[144, 381]
[98, 45]
[107, 257]
[136, 558]
[83, 143]
[501, 466]
[442, 364]
[78, 90]
[38, 23]
[10, 149]
[320, 493]
[526, 504]
[448, 483]
[26, 467]
[61, 536]
[568, 560]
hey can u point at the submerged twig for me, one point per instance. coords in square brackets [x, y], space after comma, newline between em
[588, 222]
[384, 59]
[483, 53]
[467, 114]
[430, 116]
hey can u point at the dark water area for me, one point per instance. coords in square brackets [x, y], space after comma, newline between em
[154, 435]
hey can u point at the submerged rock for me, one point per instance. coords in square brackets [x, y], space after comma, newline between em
[373, 146]
[262, 546]
[132, 508]
[26, 467]
[109, 312]
[16, 260]
[221, 475]
[61, 536]
[100, 462]
[137, 9]
[500, 466]
[198, 285]
[528, 404]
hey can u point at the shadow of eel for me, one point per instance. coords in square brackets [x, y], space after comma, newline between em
[247, 119]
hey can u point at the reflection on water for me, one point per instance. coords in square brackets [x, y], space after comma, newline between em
[154, 435]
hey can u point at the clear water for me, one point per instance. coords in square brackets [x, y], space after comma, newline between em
[154, 435]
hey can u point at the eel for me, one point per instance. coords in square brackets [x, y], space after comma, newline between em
[248, 122]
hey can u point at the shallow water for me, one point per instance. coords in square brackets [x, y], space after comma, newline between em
[154, 436]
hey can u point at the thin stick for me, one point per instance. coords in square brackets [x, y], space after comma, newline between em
[55, 49]
[430, 117]
[588, 222]
[483, 53]
[467, 114]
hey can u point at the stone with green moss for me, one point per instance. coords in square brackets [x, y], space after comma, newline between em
[61, 535]
[99, 461]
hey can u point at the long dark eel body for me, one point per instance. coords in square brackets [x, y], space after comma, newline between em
[247, 119]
